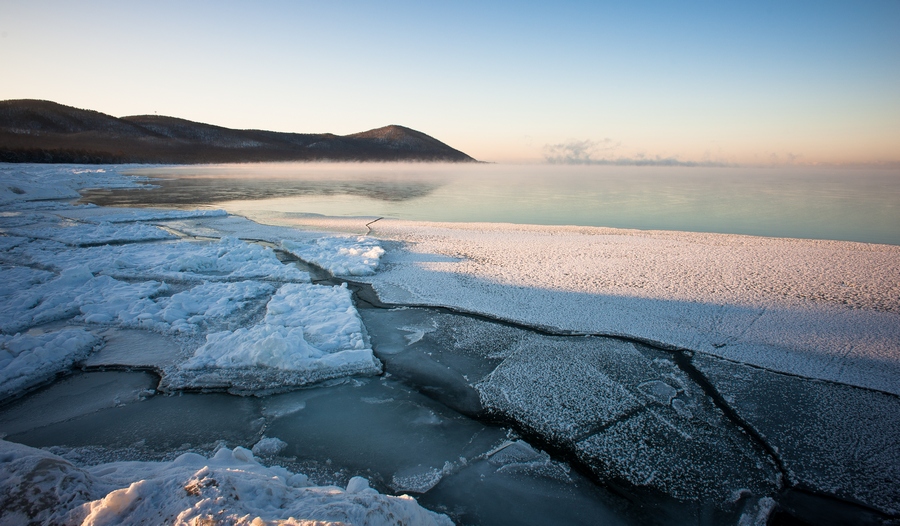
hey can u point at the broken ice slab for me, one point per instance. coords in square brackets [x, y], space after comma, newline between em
[440, 354]
[379, 428]
[831, 438]
[632, 415]
[158, 424]
[75, 396]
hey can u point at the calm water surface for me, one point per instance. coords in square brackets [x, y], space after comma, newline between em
[821, 203]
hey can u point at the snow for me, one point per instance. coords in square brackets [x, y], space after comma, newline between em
[232, 487]
[815, 308]
[342, 256]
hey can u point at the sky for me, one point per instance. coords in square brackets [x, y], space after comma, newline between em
[689, 82]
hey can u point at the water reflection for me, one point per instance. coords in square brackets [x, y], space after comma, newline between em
[193, 191]
[795, 202]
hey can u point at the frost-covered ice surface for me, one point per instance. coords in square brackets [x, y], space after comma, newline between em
[231, 487]
[835, 439]
[819, 309]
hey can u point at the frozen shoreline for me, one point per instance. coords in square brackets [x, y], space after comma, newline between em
[827, 310]
[107, 286]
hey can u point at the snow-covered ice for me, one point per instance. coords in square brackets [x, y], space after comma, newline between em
[27, 360]
[342, 256]
[231, 487]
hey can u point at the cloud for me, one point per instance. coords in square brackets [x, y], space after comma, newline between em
[604, 152]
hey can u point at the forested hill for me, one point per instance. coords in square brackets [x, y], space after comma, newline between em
[47, 132]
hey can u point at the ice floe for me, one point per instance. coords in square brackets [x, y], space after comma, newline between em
[27, 360]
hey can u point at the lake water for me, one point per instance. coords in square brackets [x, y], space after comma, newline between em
[818, 203]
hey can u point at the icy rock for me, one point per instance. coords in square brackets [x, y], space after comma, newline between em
[271, 446]
[835, 439]
[229, 488]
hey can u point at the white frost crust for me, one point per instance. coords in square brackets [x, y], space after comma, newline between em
[820, 309]
[183, 312]
[229, 488]
[340, 255]
[27, 360]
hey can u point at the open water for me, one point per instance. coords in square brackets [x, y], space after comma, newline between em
[815, 203]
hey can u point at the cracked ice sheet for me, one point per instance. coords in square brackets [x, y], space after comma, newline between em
[84, 234]
[28, 360]
[835, 439]
[232, 486]
[227, 259]
[36, 182]
[629, 413]
[310, 333]
[821, 309]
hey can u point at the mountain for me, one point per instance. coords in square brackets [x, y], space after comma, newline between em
[44, 131]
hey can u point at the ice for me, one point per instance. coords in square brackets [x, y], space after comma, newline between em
[612, 403]
[87, 234]
[839, 440]
[310, 333]
[75, 396]
[816, 308]
[184, 312]
[228, 259]
[30, 359]
[230, 487]
[147, 426]
[271, 446]
[96, 214]
[136, 348]
[342, 256]
[410, 441]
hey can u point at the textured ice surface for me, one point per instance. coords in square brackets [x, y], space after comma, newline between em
[27, 360]
[231, 487]
[310, 333]
[821, 309]
[86, 234]
[342, 256]
[834, 439]
[614, 404]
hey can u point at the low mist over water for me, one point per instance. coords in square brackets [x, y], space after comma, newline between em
[819, 203]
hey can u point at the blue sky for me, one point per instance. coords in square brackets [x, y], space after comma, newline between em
[760, 82]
